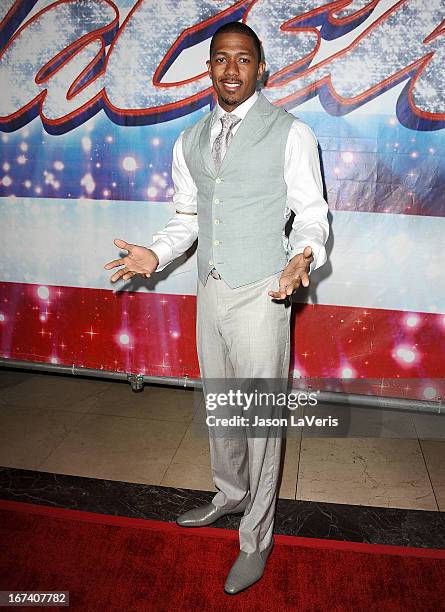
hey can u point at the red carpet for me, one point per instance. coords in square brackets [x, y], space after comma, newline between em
[116, 563]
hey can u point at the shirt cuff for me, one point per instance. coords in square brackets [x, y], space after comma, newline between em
[163, 252]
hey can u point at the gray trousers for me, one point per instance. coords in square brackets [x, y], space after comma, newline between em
[243, 334]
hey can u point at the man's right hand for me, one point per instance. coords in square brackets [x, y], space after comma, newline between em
[139, 260]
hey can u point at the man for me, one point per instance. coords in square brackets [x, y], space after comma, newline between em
[238, 173]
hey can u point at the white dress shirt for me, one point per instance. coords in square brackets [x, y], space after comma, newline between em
[304, 195]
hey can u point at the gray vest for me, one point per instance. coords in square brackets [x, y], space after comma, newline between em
[241, 207]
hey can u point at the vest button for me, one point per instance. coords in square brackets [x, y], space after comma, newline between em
[216, 221]
[217, 243]
[210, 262]
[218, 180]
[216, 200]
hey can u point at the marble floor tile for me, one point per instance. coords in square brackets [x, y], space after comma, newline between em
[190, 467]
[372, 472]
[10, 377]
[290, 457]
[101, 429]
[194, 447]
[430, 426]
[153, 402]
[28, 436]
[289, 469]
[434, 453]
[376, 525]
[360, 422]
[118, 448]
[200, 413]
[55, 392]
[188, 476]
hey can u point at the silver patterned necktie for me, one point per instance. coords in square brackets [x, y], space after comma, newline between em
[222, 141]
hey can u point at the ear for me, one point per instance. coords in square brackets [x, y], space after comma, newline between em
[209, 68]
[261, 69]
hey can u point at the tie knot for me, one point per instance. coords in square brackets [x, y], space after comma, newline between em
[229, 121]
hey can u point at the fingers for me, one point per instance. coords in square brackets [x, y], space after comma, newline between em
[114, 264]
[124, 273]
[117, 275]
[286, 288]
[305, 279]
[118, 262]
[307, 253]
[277, 295]
[288, 285]
[121, 244]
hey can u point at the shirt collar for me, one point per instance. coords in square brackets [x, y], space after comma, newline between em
[240, 111]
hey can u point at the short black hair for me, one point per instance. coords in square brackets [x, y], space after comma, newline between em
[240, 28]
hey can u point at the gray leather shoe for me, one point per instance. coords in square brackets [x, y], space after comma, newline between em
[247, 569]
[208, 514]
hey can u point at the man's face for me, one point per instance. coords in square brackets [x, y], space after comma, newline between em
[234, 68]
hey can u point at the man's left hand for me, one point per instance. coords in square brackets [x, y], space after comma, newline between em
[294, 275]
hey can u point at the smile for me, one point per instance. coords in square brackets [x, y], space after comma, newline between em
[231, 86]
